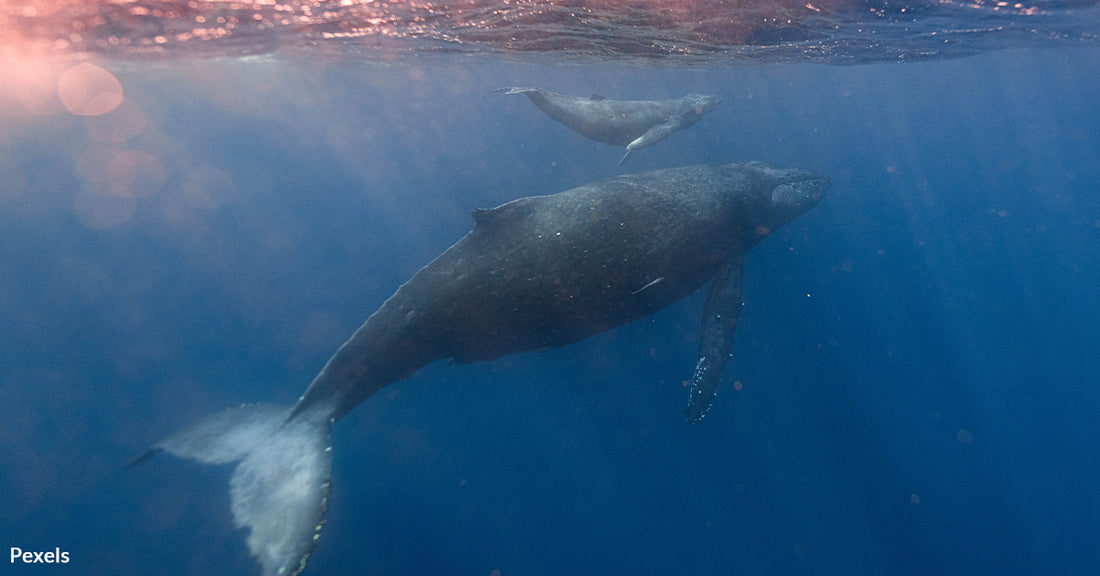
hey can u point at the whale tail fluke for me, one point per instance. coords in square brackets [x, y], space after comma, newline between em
[279, 490]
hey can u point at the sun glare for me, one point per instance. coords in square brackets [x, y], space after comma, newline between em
[114, 176]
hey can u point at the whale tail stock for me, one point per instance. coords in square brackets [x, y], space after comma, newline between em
[279, 490]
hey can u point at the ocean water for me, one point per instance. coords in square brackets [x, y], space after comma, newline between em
[914, 388]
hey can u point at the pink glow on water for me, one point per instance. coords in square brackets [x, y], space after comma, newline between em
[88, 90]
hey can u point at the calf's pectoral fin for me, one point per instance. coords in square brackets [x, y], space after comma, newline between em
[515, 90]
[720, 314]
[651, 137]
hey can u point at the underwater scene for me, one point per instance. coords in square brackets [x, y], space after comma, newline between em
[525, 288]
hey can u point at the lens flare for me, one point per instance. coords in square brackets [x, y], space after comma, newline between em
[99, 208]
[124, 123]
[88, 90]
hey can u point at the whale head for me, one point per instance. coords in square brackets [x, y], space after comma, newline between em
[796, 192]
[702, 103]
[775, 196]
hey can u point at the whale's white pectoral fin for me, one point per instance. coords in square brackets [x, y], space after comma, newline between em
[515, 90]
[279, 491]
[651, 137]
[720, 314]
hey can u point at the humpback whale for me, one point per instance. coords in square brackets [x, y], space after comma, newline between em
[535, 273]
[631, 123]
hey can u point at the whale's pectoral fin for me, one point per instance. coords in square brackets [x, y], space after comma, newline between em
[515, 90]
[720, 315]
[651, 137]
[279, 491]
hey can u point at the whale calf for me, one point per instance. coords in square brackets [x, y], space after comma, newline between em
[535, 273]
[631, 123]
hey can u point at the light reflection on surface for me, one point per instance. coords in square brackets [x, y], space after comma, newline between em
[689, 30]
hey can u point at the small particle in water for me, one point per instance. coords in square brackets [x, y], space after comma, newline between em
[964, 436]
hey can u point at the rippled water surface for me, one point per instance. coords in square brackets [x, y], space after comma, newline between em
[664, 31]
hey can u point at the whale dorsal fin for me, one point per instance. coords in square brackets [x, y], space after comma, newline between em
[597, 97]
[482, 216]
[492, 218]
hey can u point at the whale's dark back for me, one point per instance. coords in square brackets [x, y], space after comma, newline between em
[545, 271]
[550, 270]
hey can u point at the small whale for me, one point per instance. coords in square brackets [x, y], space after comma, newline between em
[535, 273]
[631, 123]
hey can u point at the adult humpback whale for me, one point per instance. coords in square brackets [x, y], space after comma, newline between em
[631, 123]
[534, 273]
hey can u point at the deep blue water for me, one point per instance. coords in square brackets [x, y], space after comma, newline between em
[918, 354]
